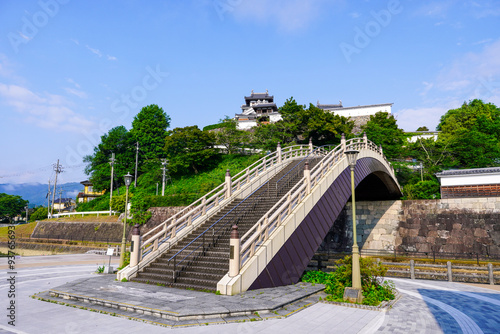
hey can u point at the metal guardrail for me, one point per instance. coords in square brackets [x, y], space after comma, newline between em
[58, 215]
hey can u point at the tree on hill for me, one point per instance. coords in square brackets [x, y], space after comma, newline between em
[11, 206]
[383, 130]
[298, 124]
[149, 129]
[423, 128]
[120, 142]
[324, 127]
[230, 137]
[189, 148]
[472, 133]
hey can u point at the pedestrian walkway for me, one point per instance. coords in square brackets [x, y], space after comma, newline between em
[425, 307]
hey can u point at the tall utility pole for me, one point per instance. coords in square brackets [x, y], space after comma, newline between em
[164, 168]
[26, 207]
[136, 163]
[57, 169]
[112, 163]
[48, 201]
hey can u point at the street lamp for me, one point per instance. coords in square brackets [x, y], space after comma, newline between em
[128, 181]
[352, 156]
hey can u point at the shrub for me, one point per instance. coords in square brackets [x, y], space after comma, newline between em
[374, 290]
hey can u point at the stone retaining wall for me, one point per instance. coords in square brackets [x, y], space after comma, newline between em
[466, 225]
[105, 231]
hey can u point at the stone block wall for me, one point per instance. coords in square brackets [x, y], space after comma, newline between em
[466, 225]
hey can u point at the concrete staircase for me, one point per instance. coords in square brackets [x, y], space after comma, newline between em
[201, 259]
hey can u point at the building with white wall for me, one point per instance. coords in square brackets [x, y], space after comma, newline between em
[477, 182]
[357, 111]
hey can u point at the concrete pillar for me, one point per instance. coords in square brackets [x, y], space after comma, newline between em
[278, 150]
[229, 184]
[234, 252]
[490, 274]
[135, 248]
[307, 177]
[342, 142]
[310, 145]
[412, 269]
[450, 276]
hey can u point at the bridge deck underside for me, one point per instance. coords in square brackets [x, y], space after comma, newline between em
[289, 263]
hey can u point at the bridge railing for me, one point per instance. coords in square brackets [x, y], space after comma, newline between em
[185, 221]
[261, 231]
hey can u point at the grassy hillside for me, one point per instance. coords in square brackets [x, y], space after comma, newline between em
[179, 191]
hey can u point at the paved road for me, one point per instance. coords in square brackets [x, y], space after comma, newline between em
[426, 307]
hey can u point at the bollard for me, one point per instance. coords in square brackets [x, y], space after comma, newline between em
[135, 248]
[234, 252]
[450, 276]
[412, 269]
[490, 274]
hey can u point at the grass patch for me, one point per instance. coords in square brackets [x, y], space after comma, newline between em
[24, 229]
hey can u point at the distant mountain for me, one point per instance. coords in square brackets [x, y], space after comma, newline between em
[36, 193]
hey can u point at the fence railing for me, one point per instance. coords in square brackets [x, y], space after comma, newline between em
[76, 213]
[51, 237]
[261, 231]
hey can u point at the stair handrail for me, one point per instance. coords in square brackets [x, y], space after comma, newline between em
[243, 209]
[253, 203]
[184, 221]
[292, 173]
[188, 215]
[261, 231]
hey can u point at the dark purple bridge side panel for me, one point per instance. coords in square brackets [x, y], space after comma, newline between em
[289, 263]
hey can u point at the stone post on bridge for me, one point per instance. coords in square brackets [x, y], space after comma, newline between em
[135, 248]
[365, 139]
[234, 252]
[342, 142]
[229, 184]
[278, 151]
[307, 177]
[310, 145]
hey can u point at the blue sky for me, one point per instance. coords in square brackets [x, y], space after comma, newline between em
[71, 70]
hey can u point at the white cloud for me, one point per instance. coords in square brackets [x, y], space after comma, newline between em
[471, 76]
[81, 94]
[73, 82]
[111, 57]
[289, 15]
[354, 15]
[45, 110]
[435, 9]
[94, 51]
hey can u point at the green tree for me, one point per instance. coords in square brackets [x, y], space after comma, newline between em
[119, 141]
[39, 214]
[230, 137]
[423, 128]
[383, 130]
[429, 189]
[324, 127]
[11, 206]
[472, 133]
[149, 129]
[189, 148]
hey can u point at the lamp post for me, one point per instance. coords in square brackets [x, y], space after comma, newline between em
[128, 181]
[352, 156]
